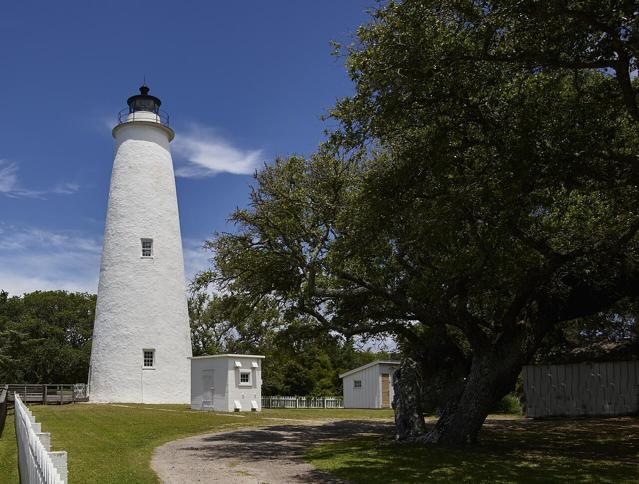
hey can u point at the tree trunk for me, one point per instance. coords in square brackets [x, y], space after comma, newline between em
[464, 392]
[409, 417]
[491, 377]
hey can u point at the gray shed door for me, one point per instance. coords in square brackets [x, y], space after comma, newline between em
[207, 388]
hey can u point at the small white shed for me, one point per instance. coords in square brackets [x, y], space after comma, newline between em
[370, 386]
[226, 383]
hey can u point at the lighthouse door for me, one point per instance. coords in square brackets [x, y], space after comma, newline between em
[207, 389]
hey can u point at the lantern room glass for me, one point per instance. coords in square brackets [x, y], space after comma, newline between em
[144, 102]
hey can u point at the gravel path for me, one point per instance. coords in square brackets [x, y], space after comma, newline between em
[268, 455]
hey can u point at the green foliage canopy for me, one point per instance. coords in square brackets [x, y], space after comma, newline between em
[45, 337]
[482, 186]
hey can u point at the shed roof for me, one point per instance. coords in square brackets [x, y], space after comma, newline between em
[368, 365]
[225, 355]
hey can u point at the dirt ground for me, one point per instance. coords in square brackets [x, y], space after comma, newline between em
[268, 455]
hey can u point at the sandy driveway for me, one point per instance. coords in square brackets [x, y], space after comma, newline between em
[268, 455]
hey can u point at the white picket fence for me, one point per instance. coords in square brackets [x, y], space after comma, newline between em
[36, 463]
[302, 402]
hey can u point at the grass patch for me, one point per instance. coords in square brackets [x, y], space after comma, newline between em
[114, 443]
[329, 414]
[8, 450]
[596, 450]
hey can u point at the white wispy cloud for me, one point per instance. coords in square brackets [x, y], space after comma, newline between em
[8, 176]
[204, 153]
[66, 188]
[11, 186]
[37, 259]
[196, 259]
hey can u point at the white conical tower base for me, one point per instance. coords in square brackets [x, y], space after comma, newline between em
[141, 301]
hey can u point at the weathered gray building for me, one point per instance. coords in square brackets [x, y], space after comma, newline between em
[369, 386]
[582, 389]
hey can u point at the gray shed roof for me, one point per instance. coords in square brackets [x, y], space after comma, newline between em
[372, 363]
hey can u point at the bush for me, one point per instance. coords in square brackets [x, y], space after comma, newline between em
[509, 405]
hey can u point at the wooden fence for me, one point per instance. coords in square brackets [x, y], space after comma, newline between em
[582, 389]
[302, 402]
[56, 393]
[36, 463]
[3, 406]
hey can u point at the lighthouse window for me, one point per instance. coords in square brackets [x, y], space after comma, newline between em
[147, 247]
[149, 358]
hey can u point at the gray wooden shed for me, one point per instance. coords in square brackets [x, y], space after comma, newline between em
[369, 386]
[582, 389]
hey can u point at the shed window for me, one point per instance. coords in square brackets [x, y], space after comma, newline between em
[245, 377]
[148, 359]
[357, 383]
[147, 247]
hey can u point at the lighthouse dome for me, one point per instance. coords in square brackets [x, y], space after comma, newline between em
[144, 101]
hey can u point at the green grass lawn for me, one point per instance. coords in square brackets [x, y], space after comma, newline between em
[113, 444]
[593, 450]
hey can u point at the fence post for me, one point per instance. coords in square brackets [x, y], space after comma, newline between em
[59, 460]
[45, 438]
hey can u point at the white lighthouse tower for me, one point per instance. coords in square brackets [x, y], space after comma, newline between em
[141, 337]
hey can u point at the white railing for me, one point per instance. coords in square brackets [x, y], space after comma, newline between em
[36, 463]
[302, 402]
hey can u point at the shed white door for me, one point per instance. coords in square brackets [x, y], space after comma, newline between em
[207, 388]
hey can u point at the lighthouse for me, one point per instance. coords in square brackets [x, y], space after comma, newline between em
[141, 337]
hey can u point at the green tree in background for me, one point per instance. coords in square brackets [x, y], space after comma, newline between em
[301, 359]
[45, 337]
[606, 336]
[481, 191]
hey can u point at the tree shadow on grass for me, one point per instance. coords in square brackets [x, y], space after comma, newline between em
[284, 444]
[603, 450]
[586, 450]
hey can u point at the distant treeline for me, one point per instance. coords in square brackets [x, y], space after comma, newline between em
[45, 337]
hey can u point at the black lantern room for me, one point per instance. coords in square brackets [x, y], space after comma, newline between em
[144, 102]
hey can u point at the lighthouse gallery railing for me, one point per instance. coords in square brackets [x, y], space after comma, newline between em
[36, 463]
[126, 116]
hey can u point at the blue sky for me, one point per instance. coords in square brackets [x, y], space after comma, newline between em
[243, 82]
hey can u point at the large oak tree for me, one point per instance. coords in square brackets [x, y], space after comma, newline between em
[481, 189]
